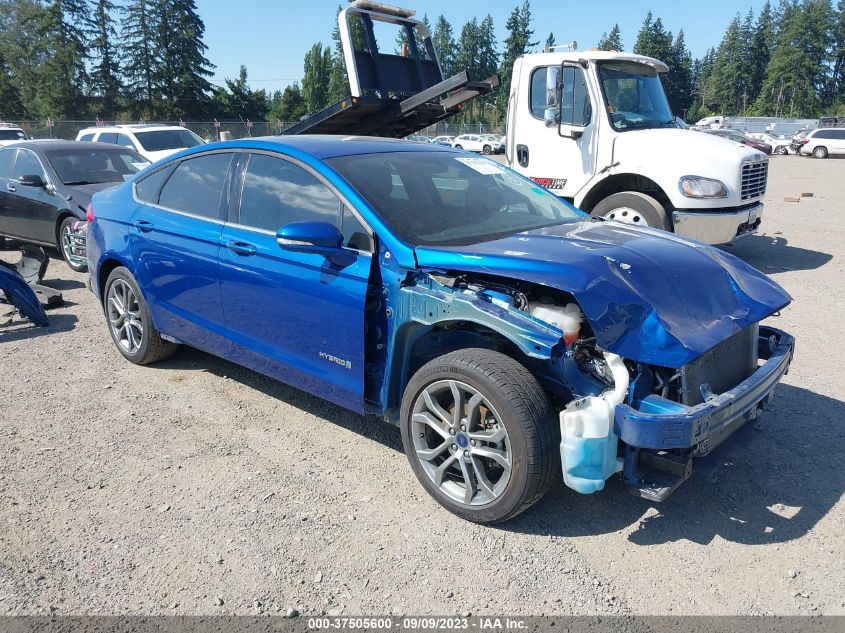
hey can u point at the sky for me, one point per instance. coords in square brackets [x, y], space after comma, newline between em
[270, 37]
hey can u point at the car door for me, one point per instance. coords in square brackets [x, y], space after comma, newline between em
[174, 241]
[838, 142]
[7, 162]
[32, 211]
[297, 317]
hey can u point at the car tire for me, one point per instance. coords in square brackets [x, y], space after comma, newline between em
[459, 146]
[781, 150]
[633, 207]
[820, 152]
[486, 149]
[519, 457]
[63, 247]
[129, 322]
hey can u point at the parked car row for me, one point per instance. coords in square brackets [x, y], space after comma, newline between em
[482, 143]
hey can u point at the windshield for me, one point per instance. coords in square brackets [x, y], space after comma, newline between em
[635, 97]
[89, 166]
[447, 199]
[12, 135]
[158, 140]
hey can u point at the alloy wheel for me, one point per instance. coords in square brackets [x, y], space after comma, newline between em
[461, 443]
[67, 242]
[124, 314]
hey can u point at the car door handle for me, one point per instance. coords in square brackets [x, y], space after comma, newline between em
[522, 155]
[10, 187]
[144, 226]
[241, 248]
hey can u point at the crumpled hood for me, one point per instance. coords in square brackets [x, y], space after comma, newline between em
[649, 296]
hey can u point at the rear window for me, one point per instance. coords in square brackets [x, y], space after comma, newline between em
[159, 140]
[88, 166]
[12, 135]
[197, 185]
[7, 159]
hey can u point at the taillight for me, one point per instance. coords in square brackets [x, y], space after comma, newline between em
[90, 214]
[805, 141]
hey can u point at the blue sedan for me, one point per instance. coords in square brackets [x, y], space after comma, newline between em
[509, 335]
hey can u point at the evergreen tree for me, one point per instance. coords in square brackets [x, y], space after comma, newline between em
[183, 71]
[836, 84]
[23, 50]
[63, 76]
[339, 79]
[759, 50]
[105, 72]
[11, 106]
[238, 101]
[443, 40]
[316, 78]
[653, 40]
[798, 72]
[611, 41]
[517, 43]
[678, 81]
[291, 106]
[550, 41]
[726, 79]
[139, 29]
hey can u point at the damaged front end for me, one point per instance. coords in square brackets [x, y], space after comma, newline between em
[615, 414]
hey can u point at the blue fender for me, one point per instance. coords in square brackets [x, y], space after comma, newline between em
[22, 296]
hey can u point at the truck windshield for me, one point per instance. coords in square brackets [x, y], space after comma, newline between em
[446, 198]
[634, 95]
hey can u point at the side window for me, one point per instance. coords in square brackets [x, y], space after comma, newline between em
[125, 141]
[7, 160]
[87, 137]
[27, 164]
[148, 188]
[354, 234]
[575, 109]
[107, 137]
[277, 192]
[538, 96]
[197, 185]
[839, 134]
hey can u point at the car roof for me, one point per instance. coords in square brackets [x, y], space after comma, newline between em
[47, 144]
[324, 146]
[132, 127]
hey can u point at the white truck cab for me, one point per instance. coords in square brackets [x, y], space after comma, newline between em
[595, 128]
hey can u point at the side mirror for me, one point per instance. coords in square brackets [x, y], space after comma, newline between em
[31, 180]
[322, 238]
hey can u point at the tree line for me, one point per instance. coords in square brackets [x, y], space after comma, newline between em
[147, 59]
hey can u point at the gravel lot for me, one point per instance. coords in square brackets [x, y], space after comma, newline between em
[199, 487]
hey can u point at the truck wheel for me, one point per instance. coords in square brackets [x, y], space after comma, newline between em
[633, 207]
[487, 149]
[79, 264]
[130, 325]
[820, 152]
[480, 434]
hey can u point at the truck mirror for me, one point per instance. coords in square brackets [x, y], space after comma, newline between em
[551, 116]
[552, 86]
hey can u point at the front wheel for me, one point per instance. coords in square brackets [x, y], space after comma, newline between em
[781, 150]
[459, 146]
[65, 246]
[633, 207]
[487, 149]
[480, 434]
[130, 325]
[820, 152]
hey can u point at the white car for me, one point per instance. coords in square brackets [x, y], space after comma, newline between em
[824, 142]
[443, 140]
[151, 141]
[780, 144]
[497, 141]
[473, 143]
[11, 134]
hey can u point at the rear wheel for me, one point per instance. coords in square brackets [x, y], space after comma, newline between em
[480, 434]
[65, 246]
[820, 152]
[459, 146]
[633, 207]
[781, 150]
[487, 149]
[129, 321]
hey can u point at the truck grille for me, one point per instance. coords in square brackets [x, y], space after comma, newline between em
[723, 367]
[754, 176]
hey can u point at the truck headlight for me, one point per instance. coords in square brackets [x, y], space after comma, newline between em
[698, 187]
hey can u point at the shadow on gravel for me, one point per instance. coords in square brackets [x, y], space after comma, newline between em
[772, 254]
[20, 330]
[64, 284]
[370, 427]
[770, 483]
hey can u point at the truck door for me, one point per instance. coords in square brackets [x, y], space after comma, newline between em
[555, 128]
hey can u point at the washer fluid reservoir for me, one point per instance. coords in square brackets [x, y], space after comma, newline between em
[566, 317]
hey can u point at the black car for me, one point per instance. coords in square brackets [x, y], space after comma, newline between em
[46, 186]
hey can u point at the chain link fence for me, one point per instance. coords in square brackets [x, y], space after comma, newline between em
[212, 131]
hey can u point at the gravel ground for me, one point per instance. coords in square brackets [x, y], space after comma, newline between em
[198, 487]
